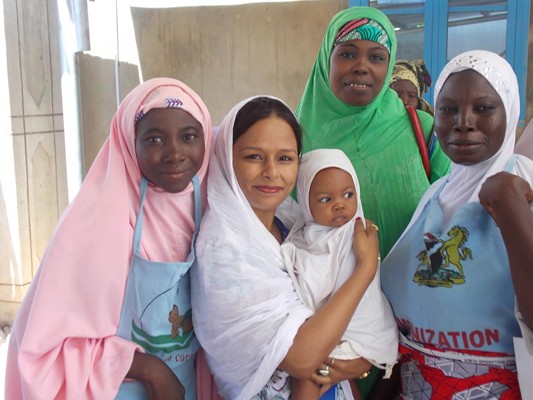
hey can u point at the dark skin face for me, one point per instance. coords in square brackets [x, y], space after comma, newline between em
[406, 92]
[170, 148]
[358, 69]
[469, 118]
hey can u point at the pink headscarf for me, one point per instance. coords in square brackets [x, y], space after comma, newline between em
[63, 342]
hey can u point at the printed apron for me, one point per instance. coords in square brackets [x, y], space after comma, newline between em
[157, 309]
[453, 298]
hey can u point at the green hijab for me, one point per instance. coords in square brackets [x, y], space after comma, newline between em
[378, 138]
[318, 106]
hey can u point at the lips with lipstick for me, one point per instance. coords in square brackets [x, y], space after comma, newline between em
[269, 189]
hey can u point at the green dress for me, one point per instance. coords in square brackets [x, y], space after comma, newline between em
[378, 138]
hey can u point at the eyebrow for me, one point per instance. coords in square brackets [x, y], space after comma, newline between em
[487, 97]
[262, 149]
[376, 47]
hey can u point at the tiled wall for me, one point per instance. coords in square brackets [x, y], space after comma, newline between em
[33, 140]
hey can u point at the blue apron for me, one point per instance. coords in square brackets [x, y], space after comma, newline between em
[450, 286]
[157, 309]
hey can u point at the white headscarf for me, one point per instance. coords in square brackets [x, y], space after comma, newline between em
[246, 311]
[314, 162]
[320, 259]
[465, 181]
[309, 241]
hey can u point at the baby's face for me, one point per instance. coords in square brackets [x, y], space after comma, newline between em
[332, 197]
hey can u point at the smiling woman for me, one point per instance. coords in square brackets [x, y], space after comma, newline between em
[255, 330]
[120, 325]
[348, 104]
[170, 147]
[266, 165]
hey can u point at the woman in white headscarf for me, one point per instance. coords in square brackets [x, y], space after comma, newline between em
[453, 276]
[251, 323]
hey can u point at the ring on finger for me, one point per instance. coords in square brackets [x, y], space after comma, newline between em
[325, 371]
[331, 362]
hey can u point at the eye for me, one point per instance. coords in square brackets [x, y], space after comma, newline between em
[190, 134]
[324, 199]
[348, 195]
[377, 58]
[346, 54]
[446, 108]
[189, 137]
[486, 107]
[286, 158]
[153, 139]
[253, 157]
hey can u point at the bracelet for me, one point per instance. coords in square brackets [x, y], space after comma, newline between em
[365, 375]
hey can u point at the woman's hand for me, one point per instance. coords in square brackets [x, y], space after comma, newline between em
[503, 192]
[340, 370]
[158, 379]
[313, 343]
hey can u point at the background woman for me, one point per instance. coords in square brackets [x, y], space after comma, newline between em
[411, 79]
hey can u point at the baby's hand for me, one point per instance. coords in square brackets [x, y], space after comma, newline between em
[366, 244]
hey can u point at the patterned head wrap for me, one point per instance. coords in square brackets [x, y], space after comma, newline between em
[414, 71]
[364, 29]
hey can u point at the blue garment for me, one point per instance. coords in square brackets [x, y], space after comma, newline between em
[331, 394]
[450, 286]
[157, 309]
[282, 228]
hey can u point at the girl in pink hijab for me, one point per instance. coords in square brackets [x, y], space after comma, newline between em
[108, 313]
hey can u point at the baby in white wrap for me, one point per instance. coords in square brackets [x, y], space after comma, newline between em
[319, 257]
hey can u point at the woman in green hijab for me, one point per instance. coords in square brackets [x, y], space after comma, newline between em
[347, 104]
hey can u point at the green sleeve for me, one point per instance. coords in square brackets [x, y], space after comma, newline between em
[439, 161]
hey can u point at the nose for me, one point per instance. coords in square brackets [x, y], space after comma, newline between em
[464, 121]
[271, 170]
[338, 206]
[359, 66]
[173, 152]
